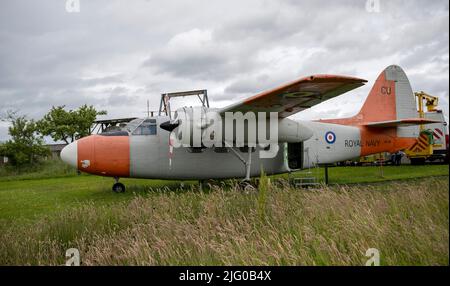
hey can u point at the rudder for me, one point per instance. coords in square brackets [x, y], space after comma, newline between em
[391, 98]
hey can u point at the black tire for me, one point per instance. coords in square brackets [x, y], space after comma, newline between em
[247, 186]
[118, 188]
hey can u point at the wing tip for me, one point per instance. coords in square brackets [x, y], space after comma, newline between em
[402, 122]
[335, 77]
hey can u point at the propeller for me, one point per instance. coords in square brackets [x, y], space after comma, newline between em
[169, 125]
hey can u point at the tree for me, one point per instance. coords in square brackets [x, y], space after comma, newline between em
[25, 145]
[68, 125]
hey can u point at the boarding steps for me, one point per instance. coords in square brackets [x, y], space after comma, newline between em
[305, 182]
[309, 180]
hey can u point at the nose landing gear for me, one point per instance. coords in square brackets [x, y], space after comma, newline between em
[118, 187]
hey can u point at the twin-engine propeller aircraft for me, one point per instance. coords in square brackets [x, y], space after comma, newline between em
[162, 147]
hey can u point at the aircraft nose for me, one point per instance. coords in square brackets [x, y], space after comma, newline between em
[69, 154]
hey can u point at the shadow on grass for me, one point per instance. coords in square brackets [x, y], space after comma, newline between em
[177, 187]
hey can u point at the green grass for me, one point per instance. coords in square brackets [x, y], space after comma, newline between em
[28, 199]
[370, 174]
[53, 168]
[165, 223]
[30, 195]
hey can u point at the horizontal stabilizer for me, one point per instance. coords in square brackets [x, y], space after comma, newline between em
[402, 122]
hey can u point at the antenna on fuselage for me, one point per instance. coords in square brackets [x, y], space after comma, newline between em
[149, 112]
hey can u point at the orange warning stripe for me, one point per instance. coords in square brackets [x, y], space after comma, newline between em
[420, 144]
[414, 146]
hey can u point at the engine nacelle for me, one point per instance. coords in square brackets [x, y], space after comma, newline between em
[203, 127]
[193, 124]
[291, 131]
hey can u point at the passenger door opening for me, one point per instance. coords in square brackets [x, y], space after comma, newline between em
[295, 155]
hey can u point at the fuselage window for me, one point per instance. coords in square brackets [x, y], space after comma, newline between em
[221, 150]
[245, 149]
[196, 149]
[147, 127]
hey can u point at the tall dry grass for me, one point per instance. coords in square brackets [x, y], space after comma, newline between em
[407, 222]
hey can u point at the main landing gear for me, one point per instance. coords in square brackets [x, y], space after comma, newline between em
[118, 187]
[245, 184]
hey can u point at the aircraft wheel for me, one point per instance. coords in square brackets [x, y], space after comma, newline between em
[247, 186]
[118, 188]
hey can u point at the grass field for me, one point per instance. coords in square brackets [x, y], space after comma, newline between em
[43, 213]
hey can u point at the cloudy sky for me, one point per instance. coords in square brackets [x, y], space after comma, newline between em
[117, 54]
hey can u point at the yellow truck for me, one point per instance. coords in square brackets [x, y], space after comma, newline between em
[432, 144]
[375, 159]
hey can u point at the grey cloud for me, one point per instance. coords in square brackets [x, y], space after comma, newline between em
[248, 85]
[119, 96]
[104, 80]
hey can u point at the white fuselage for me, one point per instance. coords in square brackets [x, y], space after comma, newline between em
[149, 155]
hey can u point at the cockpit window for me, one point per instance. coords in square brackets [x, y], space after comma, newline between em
[147, 127]
[133, 124]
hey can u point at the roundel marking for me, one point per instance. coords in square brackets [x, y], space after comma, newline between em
[330, 137]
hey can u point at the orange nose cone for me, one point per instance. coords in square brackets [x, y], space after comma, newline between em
[104, 155]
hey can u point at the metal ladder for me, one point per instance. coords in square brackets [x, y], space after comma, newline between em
[310, 180]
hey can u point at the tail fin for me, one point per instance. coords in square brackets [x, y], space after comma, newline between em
[390, 104]
[388, 115]
[391, 99]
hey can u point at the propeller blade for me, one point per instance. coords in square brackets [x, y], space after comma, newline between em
[169, 126]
